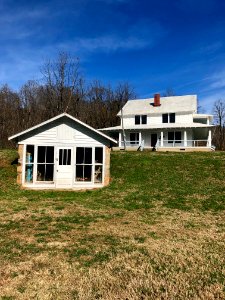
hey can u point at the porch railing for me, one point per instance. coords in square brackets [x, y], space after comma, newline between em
[130, 143]
[183, 143]
[139, 144]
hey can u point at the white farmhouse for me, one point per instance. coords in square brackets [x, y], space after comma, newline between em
[63, 153]
[165, 124]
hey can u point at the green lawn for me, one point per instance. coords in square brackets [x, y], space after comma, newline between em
[156, 232]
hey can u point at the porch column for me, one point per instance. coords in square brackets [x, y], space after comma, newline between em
[161, 144]
[185, 138]
[120, 139]
[210, 138]
[140, 138]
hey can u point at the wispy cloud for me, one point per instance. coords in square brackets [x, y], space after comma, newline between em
[218, 80]
[209, 48]
[108, 43]
[207, 101]
[139, 36]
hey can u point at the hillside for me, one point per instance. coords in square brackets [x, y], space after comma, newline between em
[157, 232]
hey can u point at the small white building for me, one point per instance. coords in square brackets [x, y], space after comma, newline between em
[63, 153]
[166, 124]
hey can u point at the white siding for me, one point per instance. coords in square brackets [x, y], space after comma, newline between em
[157, 119]
[47, 136]
[184, 118]
[62, 133]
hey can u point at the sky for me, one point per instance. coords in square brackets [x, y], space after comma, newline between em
[153, 45]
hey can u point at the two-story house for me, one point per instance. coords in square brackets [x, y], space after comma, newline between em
[163, 123]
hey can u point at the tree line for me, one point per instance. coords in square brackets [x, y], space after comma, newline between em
[64, 89]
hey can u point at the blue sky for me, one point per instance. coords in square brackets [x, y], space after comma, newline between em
[154, 45]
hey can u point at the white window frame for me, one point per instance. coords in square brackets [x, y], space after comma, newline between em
[168, 118]
[36, 165]
[93, 164]
[141, 119]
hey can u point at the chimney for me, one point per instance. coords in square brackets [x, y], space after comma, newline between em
[157, 100]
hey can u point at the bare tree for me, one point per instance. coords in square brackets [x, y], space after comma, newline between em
[61, 79]
[219, 117]
[9, 114]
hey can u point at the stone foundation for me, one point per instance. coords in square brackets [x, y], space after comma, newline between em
[107, 166]
[20, 164]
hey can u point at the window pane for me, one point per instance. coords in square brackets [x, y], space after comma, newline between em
[98, 174]
[178, 136]
[132, 138]
[45, 172]
[29, 173]
[64, 157]
[41, 172]
[137, 120]
[50, 154]
[60, 157]
[68, 162]
[83, 173]
[87, 173]
[144, 119]
[170, 137]
[172, 118]
[99, 155]
[49, 170]
[165, 118]
[41, 154]
[79, 173]
[88, 156]
[80, 155]
[30, 154]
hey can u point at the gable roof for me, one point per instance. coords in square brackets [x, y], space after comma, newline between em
[59, 117]
[187, 103]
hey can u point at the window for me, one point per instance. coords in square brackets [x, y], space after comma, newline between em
[168, 118]
[174, 137]
[178, 137]
[98, 165]
[134, 138]
[45, 163]
[64, 157]
[29, 165]
[137, 120]
[85, 166]
[144, 119]
[165, 118]
[172, 117]
[140, 119]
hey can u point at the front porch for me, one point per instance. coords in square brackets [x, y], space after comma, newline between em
[166, 140]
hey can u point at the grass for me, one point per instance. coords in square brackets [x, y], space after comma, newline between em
[156, 232]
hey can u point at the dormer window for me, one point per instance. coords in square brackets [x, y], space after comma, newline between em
[140, 119]
[168, 118]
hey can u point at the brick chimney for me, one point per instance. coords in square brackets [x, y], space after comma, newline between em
[157, 100]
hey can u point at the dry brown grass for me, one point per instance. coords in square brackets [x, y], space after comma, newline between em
[145, 255]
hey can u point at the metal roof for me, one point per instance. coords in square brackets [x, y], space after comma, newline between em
[59, 117]
[187, 103]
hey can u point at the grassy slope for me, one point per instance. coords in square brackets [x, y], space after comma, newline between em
[155, 233]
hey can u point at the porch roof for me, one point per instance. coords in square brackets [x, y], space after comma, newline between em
[158, 126]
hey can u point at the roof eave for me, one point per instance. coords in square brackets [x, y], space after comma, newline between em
[13, 137]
